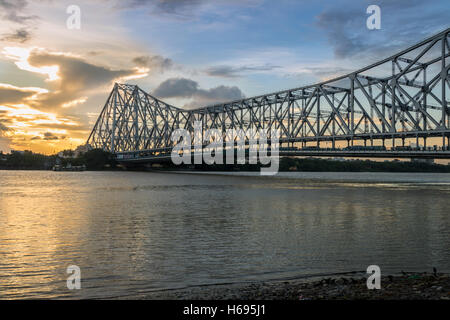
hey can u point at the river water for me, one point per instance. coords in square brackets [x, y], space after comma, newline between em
[137, 232]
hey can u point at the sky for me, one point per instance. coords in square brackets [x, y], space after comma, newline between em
[54, 80]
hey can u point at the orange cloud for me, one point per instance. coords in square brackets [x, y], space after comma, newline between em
[23, 127]
[10, 94]
[37, 118]
[71, 78]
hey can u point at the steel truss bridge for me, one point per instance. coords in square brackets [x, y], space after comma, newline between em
[377, 111]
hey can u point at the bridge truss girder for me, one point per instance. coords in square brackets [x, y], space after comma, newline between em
[406, 95]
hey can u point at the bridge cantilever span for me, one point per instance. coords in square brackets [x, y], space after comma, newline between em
[403, 98]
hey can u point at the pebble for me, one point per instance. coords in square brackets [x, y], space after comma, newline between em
[404, 287]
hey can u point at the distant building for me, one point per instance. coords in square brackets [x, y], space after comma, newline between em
[17, 151]
[74, 153]
[82, 149]
[66, 154]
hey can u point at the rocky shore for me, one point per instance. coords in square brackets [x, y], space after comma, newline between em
[406, 286]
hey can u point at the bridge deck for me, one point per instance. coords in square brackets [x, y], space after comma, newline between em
[438, 154]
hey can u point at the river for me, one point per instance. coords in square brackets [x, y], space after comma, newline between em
[137, 232]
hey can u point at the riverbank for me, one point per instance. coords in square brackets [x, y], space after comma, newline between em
[287, 164]
[97, 159]
[408, 286]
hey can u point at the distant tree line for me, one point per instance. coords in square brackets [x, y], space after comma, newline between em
[95, 159]
[98, 159]
[308, 164]
[320, 165]
[26, 160]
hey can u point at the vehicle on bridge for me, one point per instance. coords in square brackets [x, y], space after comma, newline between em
[288, 149]
[365, 148]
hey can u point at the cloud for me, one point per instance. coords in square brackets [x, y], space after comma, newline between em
[10, 94]
[12, 9]
[176, 87]
[325, 72]
[50, 136]
[76, 78]
[36, 112]
[187, 88]
[62, 125]
[188, 10]
[154, 63]
[37, 130]
[180, 8]
[234, 72]
[177, 6]
[3, 128]
[20, 35]
[403, 23]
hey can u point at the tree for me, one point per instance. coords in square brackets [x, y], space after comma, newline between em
[97, 159]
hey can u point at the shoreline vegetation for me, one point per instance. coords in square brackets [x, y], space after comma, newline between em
[349, 286]
[97, 159]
